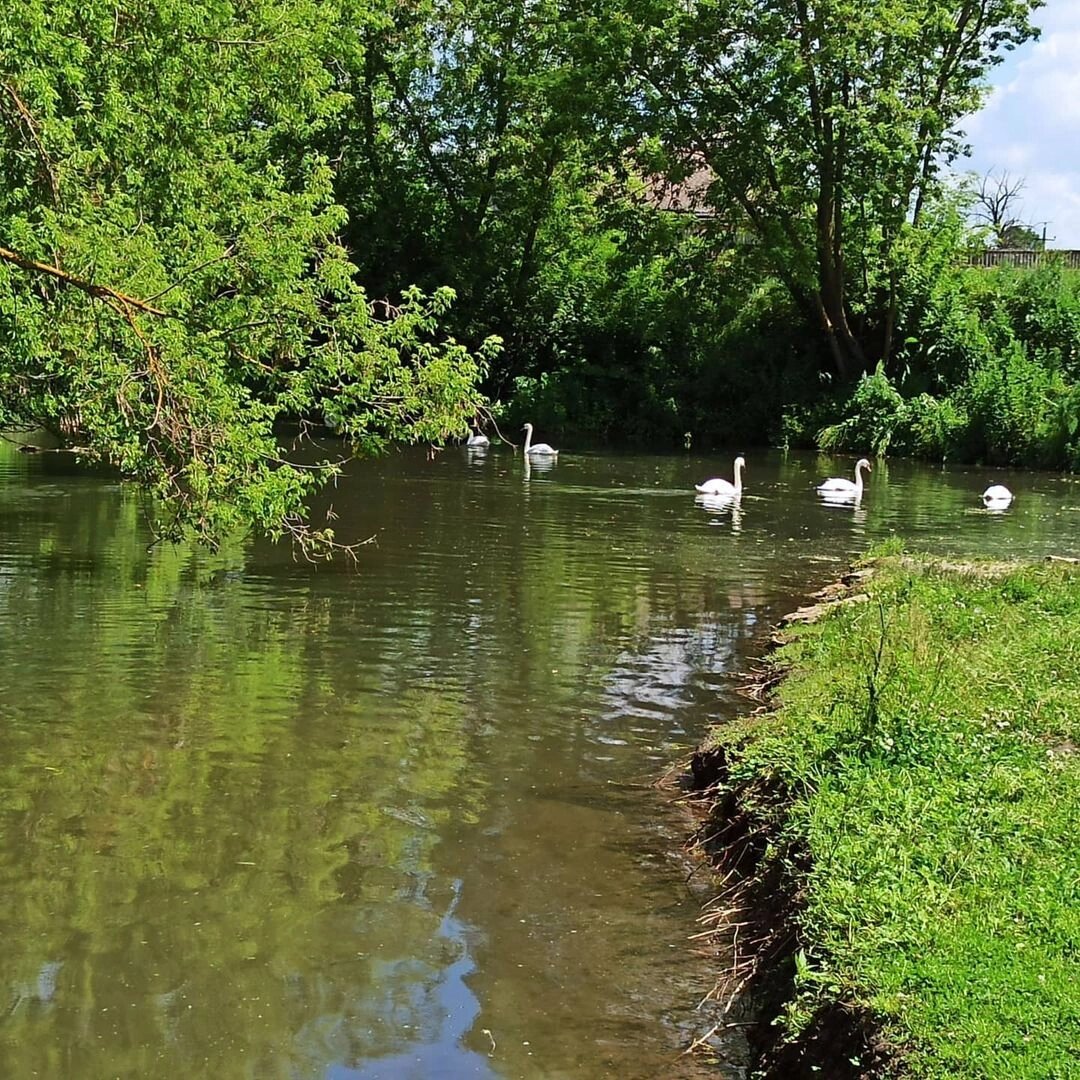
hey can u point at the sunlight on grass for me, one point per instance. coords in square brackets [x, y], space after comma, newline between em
[930, 739]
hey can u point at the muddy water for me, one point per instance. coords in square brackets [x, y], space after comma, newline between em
[259, 819]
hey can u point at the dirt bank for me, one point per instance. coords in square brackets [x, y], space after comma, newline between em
[753, 920]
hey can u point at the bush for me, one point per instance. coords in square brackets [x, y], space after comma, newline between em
[1005, 399]
[1021, 413]
[931, 428]
[1043, 308]
[990, 372]
[871, 416]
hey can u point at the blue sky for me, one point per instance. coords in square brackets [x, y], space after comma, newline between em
[1030, 125]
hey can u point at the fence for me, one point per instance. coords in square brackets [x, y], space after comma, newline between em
[1024, 258]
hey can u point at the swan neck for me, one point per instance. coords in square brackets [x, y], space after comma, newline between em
[528, 437]
[738, 475]
[858, 476]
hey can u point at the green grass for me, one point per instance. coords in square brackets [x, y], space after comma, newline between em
[930, 739]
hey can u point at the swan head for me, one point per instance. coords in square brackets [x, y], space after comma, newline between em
[526, 427]
[862, 463]
[740, 462]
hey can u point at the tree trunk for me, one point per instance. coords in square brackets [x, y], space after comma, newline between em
[525, 268]
[890, 321]
[832, 292]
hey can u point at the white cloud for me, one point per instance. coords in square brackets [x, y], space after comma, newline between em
[1030, 124]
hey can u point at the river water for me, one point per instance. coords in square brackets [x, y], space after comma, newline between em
[397, 822]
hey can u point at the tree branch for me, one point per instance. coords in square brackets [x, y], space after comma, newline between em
[47, 166]
[101, 292]
[227, 254]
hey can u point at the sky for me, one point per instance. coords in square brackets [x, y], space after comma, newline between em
[1030, 125]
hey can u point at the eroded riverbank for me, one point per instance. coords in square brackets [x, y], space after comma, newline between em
[896, 828]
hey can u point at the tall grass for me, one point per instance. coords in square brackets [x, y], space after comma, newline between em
[931, 742]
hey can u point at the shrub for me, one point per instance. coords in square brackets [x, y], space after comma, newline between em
[1006, 399]
[931, 427]
[871, 416]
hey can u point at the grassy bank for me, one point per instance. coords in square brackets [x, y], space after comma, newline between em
[902, 827]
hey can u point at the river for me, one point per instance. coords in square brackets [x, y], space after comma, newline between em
[398, 821]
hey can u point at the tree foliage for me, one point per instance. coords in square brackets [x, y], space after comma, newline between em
[172, 279]
[825, 123]
[471, 149]
[205, 201]
[517, 151]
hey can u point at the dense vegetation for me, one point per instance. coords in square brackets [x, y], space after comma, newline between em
[172, 281]
[991, 373]
[218, 216]
[926, 742]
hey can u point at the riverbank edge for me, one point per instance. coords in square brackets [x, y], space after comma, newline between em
[763, 868]
[753, 919]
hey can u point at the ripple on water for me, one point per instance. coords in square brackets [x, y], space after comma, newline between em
[357, 822]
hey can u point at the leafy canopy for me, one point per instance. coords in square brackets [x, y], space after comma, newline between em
[825, 123]
[171, 279]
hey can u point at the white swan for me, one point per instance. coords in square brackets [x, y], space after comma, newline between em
[836, 487]
[541, 449]
[724, 487]
[997, 497]
[477, 441]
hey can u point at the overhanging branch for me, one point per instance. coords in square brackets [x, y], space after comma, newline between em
[101, 292]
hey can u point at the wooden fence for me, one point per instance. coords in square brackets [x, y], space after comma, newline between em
[1024, 258]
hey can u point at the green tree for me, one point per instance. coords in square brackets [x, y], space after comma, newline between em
[825, 123]
[479, 151]
[172, 282]
[470, 155]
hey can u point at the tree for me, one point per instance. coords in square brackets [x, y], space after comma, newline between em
[470, 153]
[996, 207]
[172, 282]
[825, 122]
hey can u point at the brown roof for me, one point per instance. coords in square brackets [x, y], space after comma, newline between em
[686, 196]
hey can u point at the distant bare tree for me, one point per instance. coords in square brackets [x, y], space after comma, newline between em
[998, 205]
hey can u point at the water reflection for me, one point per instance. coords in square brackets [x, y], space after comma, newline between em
[847, 504]
[728, 505]
[263, 819]
[840, 498]
[540, 465]
[438, 1017]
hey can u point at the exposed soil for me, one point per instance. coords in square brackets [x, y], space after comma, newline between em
[754, 919]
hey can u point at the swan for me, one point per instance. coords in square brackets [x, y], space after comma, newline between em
[725, 487]
[477, 440]
[837, 487]
[997, 497]
[541, 449]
